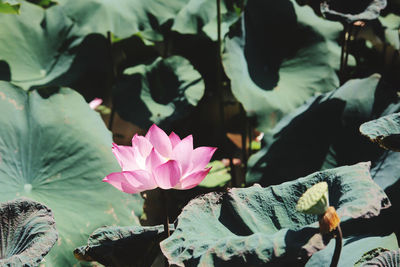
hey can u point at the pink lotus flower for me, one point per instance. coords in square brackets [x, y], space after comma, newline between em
[95, 103]
[159, 160]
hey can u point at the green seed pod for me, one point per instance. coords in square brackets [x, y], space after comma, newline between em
[315, 200]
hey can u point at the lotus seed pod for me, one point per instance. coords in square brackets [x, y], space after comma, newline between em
[315, 200]
[329, 221]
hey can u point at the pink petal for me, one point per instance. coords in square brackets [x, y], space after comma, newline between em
[201, 157]
[154, 160]
[193, 179]
[126, 157]
[174, 138]
[118, 180]
[183, 153]
[141, 178]
[131, 182]
[168, 174]
[142, 144]
[95, 103]
[160, 140]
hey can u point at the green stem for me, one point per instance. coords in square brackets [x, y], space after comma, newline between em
[219, 70]
[164, 193]
[338, 246]
[112, 81]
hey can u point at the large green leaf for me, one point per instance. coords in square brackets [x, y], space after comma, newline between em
[198, 16]
[46, 52]
[385, 131]
[254, 226]
[148, 17]
[123, 18]
[284, 55]
[27, 232]
[160, 92]
[56, 150]
[123, 246]
[321, 134]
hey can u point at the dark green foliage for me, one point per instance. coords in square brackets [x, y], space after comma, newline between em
[258, 226]
[123, 246]
[158, 93]
[27, 233]
[326, 130]
[385, 131]
[56, 150]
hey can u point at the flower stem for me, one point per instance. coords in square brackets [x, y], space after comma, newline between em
[338, 246]
[219, 84]
[112, 81]
[164, 193]
[166, 221]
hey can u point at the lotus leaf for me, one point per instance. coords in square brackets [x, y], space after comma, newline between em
[255, 225]
[123, 246]
[354, 247]
[325, 129]
[385, 259]
[385, 131]
[283, 55]
[202, 14]
[218, 176]
[56, 150]
[161, 92]
[27, 232]
[46, 52]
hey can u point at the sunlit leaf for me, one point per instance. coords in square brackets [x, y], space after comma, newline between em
[284, 55]
[218, 176]
[9, 8]
[385, 131]
[200, 16]
[56, 150]
[253, 226]
[45, 53]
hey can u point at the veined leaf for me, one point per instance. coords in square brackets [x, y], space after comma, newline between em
[254, 226]
[56, 150]
[27, 233]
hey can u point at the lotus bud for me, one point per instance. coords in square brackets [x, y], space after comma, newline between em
[315, 200]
